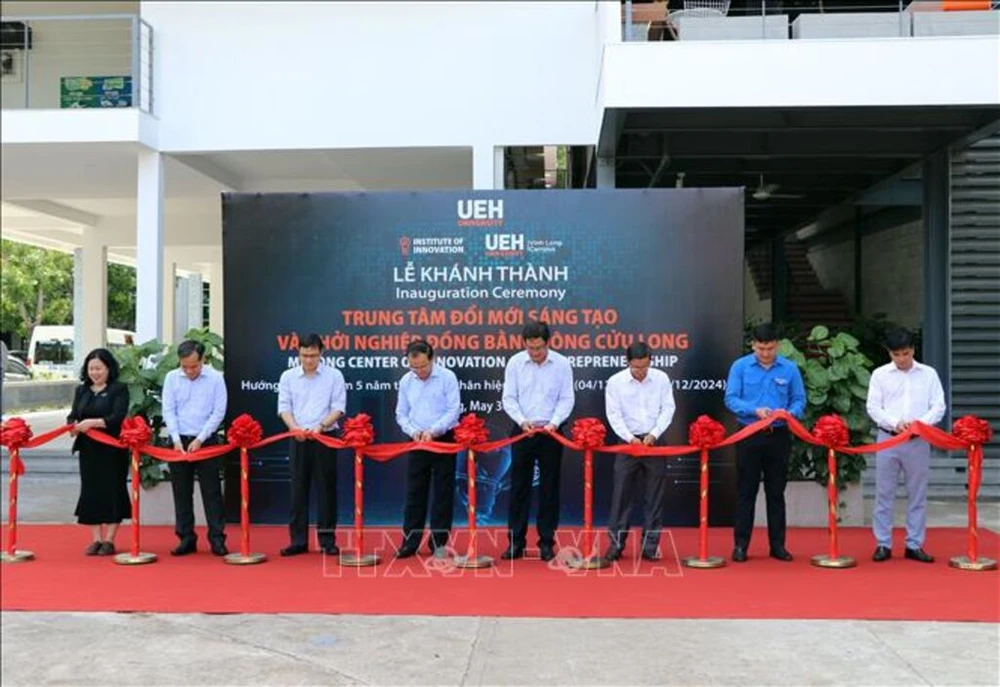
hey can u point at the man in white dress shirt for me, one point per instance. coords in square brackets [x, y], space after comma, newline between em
[194, 404]
[537, 394]
[312, 397]
[900, 392]
[640, 405]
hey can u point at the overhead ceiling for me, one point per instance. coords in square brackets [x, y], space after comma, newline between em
[807, 160]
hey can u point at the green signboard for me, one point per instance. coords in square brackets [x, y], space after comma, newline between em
[95, 91]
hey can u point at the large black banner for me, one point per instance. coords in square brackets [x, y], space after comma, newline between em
[371, 271]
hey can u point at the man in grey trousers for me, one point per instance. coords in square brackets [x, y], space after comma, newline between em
[900, 392]
[640, 405]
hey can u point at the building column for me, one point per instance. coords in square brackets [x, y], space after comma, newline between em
[149, 310]
[195, 306]
[487, 167]
[606, 172]
[936, 330]
[90, 294]
[779, 280]
[78, 351]
[216, 315]
[168, 294]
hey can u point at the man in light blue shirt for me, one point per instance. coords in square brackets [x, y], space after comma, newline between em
[537, 394]
[759, 384]
[427, 409]
[312, 397]
[194, 404]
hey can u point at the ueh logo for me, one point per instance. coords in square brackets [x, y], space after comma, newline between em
[480, 212]
[404, 245]
[504, 245]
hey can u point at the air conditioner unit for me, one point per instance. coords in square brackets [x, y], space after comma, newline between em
[11, 66]
[15, 35]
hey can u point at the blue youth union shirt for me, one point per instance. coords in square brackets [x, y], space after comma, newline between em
[751, 386]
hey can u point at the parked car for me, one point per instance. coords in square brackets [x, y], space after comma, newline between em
[15, 370]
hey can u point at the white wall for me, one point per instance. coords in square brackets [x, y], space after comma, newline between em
[803, 73]
[755, 308]
[307, 75]
[99, 47]
[892, 272]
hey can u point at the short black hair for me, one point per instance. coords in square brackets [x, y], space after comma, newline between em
[105, 356]
[311, 341]
[764, 333]
[898, 339]
[186, 348]
[637, 351]
[419, 347]
[536, 330]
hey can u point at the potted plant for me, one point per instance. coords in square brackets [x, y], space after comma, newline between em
[836, 375]
[143, 370]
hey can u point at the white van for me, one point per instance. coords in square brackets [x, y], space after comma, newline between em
[51, 347]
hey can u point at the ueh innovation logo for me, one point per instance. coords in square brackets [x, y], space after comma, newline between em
[504, 245]
[480, 212]
[404, 245]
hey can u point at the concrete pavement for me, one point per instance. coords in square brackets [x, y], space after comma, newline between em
[133, 649]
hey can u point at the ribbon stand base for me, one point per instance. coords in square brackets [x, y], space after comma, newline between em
[473, 562]
[591, 563]
[240, 559]
[18, 556]
[824, 561]
[965, 563]
[140, 558]
[703, 563]
[359, 560]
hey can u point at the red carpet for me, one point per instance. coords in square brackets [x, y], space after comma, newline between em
[62, 579]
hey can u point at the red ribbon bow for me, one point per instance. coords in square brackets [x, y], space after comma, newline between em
[245, 431]
[471, 430]
[972, 430]
[589, 432]
[135, 432]
[358, 430]
[15, 433]
[831, 431]
[706, 432]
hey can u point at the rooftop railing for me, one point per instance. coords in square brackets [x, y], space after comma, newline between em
[791, 19]
[76, 61]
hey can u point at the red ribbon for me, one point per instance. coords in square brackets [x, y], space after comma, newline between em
[245, 432]
[588, 433]
[706, 432]
[135, 432]
[831, 431]
[471, 430]
[359, 431]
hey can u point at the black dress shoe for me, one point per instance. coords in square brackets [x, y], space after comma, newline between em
[546, 552]
[650, 556]
[94, 549]
[331, 550]
[185, 548]
[919, 555]
[882, 553]
[512, 553]
[739, 555]
[782, 555]
[612, 554]
[219, 550]
[406, 552]
[294, 550]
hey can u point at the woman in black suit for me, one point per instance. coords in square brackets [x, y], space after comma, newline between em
[101, 402]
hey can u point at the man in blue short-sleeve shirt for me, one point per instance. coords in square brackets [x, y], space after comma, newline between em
[760, 383]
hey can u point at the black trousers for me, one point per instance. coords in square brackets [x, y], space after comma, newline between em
[630, 472]
[434, 474]
[311, 462]
[209, 479]
[763, 455]
[548, 452]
